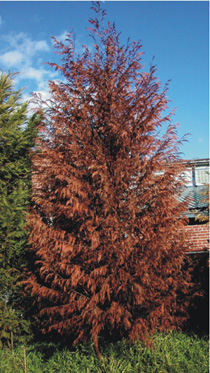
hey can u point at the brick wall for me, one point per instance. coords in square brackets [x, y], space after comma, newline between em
[198, 236]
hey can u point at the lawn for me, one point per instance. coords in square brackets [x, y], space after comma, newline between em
[174, 352]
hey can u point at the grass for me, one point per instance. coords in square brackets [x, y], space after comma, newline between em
[172, 353]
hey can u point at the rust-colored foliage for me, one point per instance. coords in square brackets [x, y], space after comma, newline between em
[105, 227]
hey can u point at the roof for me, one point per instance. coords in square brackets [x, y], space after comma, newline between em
[196, 197]
[197, 162]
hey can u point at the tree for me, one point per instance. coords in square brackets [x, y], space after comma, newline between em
[106, 224]
[16, 140]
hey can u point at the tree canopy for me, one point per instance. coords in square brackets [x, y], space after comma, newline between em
[16, 140]
[106, 224]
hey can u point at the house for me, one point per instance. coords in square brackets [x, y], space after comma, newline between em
[197, 195]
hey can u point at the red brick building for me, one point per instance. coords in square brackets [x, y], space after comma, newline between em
[197, 192]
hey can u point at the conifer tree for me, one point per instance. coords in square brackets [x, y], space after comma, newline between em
[16, 140]
[106, 224]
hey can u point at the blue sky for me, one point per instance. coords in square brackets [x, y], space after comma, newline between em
[176, 33]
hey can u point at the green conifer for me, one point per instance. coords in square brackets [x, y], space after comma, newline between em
[16, 140]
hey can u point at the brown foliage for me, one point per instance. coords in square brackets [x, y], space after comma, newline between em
[105, 225]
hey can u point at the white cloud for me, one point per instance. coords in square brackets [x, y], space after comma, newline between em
[25, 55]
[21, 50]
[32, 73]
[25, 44]
[12, 58]
[42, 45]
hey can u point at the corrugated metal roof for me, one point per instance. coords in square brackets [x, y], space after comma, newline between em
[197, 199]
[195, 196]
